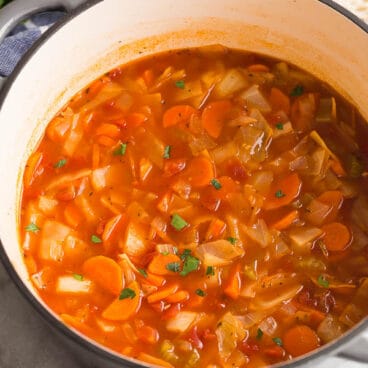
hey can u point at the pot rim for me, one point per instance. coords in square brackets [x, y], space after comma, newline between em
[328, 349]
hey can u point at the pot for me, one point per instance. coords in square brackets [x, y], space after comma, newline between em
[319, 36]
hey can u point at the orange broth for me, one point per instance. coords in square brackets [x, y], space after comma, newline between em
[202, 208]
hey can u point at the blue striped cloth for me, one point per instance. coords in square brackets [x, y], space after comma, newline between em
[22, 38]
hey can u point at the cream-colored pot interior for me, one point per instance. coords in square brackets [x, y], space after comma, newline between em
[305, 32]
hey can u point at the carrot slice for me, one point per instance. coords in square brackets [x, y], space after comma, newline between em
[199, 171]
[159, 263]
[177, 115]
[214, 115]
[153, 360]
[148, 334]
[123, 309]
[215, 229]
[178, 297]
[286, 221]
[135, 119]
[299, 340]
[95, 156]
[232, 289]
[72, 215]
[110, 130]
[33, 168]
[279, 101]
[283, 192]
[155, 280]
[103, 140]
[337, 236]
[105, 272]
[258, 68]
[162, 294]
[148, 77]
[333, 198]
[78, 324]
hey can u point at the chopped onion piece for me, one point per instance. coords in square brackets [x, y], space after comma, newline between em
[302, 238]
[254, 97]
[268, 326]
[230, 332]
[218, 253]
[69, 285]
[258, 233]
[232, 82]
[182, 321]
[330, 329]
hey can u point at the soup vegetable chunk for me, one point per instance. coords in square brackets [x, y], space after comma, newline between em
[202, 208]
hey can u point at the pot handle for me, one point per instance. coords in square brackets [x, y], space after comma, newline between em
[18, 10]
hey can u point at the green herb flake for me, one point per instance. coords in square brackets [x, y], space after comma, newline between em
[259, 334]
[180, 84]
[121, 150]
[200, 292]
[143, 272]
[322, 281]
[279, 194]
[32, 228]
[95, 239]
[127, 293]
[277, 341]
[60, 164]
[173, 266]
[186, 253]
[165, 253]
[216, 184]
[232, 240]
[210, 271]
[297, 91]
[190, 264]
[78, 276]
[280, 126]
[167, 152]
[177, 222]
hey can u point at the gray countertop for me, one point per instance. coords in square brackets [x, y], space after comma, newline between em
[25, 339]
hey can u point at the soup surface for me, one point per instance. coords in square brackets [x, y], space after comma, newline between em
[202, 208]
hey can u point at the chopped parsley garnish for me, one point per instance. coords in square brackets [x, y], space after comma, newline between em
[173, 266]
[78, 276]
[279, 126]
[259, 334]
[180, 84]
[297, 91]
[232, 240]
[120, 151]
[277, 341]
[177, 222]
[322, 281]
[142, 272]
[190, 264]
[167, 152]
[186, 253]
[279, 194]
[210, 271]
[32, 228]
[200, 292]
[95, 239]
[127, 293]
[216, 184]
[60, 163]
